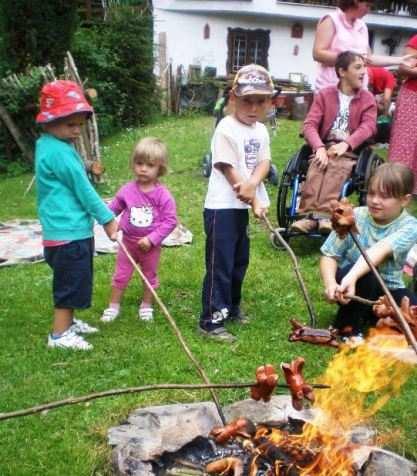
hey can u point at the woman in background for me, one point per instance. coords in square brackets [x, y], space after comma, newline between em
[344, 30]
[403, 142]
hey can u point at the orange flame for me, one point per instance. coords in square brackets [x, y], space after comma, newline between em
[362, 379]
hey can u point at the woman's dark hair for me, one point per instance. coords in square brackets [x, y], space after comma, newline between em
[346, 4]
[345, 59]
[393, 180]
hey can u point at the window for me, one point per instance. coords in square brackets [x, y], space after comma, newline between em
[245, 47]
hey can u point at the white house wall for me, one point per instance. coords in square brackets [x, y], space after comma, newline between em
[187, 46]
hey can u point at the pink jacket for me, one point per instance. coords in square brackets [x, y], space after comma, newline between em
[323, 112]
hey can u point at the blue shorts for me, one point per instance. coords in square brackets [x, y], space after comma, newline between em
[72, 265]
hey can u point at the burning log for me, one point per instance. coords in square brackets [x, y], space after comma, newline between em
[295, 380]
[224, 466]
[304, 333]
[266, 381]
[343, 218]
[239, 427]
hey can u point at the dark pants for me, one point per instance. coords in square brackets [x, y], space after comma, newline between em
[72, 265]
[227, 258]
[360, 316]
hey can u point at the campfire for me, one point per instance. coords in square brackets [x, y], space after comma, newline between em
[362, 378]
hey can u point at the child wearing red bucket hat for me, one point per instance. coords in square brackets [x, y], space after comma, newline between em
[67, 207]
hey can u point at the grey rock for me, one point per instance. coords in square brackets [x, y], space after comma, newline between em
[125, 463]
[385, 463]
[153, 430]
[278, 408]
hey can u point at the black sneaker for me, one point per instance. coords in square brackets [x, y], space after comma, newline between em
[217, 333]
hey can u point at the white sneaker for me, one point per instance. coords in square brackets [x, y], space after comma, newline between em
[145, 313]
[69, 340]
[109, 314]
[81, 327]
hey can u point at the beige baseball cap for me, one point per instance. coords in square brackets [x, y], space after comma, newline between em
[253, 79]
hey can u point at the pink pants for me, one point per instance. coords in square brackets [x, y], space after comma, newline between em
[148, 263]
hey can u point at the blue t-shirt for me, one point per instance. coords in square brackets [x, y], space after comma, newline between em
[401, 234]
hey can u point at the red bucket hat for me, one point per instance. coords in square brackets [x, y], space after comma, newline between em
[60, 99]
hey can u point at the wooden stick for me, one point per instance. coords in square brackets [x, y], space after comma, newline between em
[124, 391]
[16, 134]
[175, 329]
[303, 287]
[362, 300]
[29, 186]
[404, 324]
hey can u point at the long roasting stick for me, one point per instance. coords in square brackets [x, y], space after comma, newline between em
[303, 287]
[362, 300]
[176, 330]
[404, 324]
[123, 391]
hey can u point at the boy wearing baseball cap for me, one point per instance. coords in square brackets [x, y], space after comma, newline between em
[241, 160]
[67, 207]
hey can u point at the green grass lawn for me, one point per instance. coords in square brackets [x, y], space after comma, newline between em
[72, 440]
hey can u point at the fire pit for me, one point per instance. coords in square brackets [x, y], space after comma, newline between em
[173, 440]
[273, 439]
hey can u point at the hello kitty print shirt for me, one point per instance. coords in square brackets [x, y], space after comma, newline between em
[151, 214]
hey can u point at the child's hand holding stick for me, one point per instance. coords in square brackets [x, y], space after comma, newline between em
[111, 228]
[258, 209]
[343, 223]
[245, 191]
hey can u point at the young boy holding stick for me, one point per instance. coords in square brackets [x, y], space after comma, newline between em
[241, 160]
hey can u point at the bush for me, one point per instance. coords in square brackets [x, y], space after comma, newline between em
[117, 58]
[21, 103]
[36, 32]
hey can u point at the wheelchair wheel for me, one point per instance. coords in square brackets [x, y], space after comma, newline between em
[206, 165]
[288, 190]
[285, 192]
[374, 161]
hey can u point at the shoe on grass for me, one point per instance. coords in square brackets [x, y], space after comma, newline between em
[305, 225]
[109, 314]
[218, 333]
[81, 327]
[69, 340]
[240, 318]
[325, 226]
[145, 314]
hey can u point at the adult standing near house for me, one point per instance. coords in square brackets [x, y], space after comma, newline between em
[344, 30]
[403, 142]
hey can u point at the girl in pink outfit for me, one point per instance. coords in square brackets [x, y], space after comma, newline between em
[344, 30]
[148, 216]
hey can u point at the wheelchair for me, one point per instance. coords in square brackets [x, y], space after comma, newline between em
[294, 174]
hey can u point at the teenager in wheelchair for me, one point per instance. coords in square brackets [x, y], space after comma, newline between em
[337, 159]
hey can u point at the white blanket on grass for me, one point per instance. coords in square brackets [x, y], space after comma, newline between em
[21, 241]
